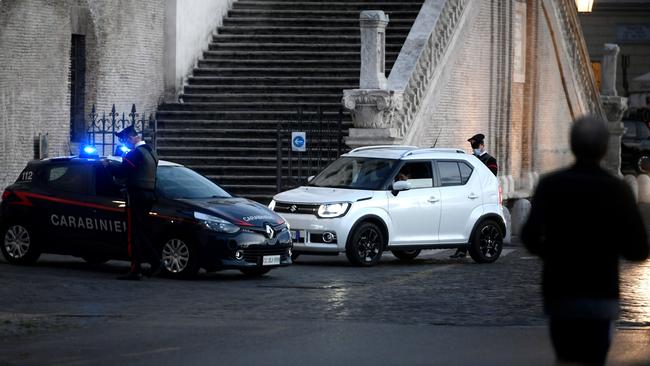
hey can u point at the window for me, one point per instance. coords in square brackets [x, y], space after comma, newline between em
[355, 173]
[105, 186]
[465, 171]
[69, 178]
[176, 182]
[449, 173]
[418, 173]
[77, 87]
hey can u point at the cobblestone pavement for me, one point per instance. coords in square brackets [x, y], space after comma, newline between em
[63, 293]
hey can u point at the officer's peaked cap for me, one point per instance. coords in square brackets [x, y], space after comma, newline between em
[127, 131]
[478, 138]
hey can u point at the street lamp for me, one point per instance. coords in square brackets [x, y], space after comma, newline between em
[584, 6]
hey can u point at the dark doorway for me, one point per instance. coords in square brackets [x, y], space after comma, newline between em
[77, 87]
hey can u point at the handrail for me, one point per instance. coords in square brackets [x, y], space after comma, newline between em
[425, 46]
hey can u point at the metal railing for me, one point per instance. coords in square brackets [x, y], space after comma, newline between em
[101, 130]
[324, 144]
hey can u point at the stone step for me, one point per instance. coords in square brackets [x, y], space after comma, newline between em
[277, 71]
[294, 46]
[238, 115]
[191, 143]
[326, 129]
[267, 89]
[310, 120]
[272, 80]
[262, 97]
[289, 55]
[320, 14]
[245, 106]
[258, 63]
[326, 5]
[393, 33]
[392, 40]
[308, 22]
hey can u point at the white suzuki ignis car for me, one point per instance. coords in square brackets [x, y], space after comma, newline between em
[398, 198]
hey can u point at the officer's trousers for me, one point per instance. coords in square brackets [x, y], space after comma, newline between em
[139, 228]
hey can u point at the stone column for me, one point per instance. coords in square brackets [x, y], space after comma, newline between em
[608, 69]
[614, 107]
[372, 105]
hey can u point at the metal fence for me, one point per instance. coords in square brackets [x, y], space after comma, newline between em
[101, 130]
[323, 132]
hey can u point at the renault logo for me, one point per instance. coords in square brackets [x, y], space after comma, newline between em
[293, 208]
[269, 231]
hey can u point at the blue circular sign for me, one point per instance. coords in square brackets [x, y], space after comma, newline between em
[298, 141]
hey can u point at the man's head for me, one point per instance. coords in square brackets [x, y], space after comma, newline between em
[589, 139]
[128, 136]
[477, 142]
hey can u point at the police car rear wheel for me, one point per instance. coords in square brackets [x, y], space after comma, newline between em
[406, 255]
[19, 245]
[180, 258]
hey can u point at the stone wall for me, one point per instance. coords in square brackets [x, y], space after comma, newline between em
[126, 46]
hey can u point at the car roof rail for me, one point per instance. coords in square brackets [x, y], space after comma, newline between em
[376, 147]
[433, 149]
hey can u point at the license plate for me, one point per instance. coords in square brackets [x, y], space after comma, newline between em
[270, 260]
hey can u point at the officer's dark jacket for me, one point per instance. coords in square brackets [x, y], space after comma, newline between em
[139, 168]
[581, 221]
[490, 162]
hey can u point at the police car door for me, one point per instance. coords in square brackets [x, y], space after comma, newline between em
[67, 210]
[109, 215]
[415, 213]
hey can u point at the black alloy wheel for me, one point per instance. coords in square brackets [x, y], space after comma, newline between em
[366, 245]
[487, 242]
[19, 246]
[406, 255]
[643, 163]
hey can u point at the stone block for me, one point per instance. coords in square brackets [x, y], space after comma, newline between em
[634, 186]
[508, 238]
[643, 182]
[520, 212]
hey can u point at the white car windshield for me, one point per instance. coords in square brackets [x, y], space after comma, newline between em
[356, 173]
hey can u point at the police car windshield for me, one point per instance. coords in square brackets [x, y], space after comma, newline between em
[355, 173]
[176, 182]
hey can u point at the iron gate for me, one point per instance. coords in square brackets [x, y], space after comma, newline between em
[324, 144]
[100, 127]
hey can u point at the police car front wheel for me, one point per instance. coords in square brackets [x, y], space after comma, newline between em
[19, 246]
[180, 257]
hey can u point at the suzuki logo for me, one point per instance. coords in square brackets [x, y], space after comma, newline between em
[293, 208]
[269, 231]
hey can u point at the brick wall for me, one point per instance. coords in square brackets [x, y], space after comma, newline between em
[124, 48]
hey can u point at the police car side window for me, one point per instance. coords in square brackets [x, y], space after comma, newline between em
[69, 178]
[449, 173]
[105, 186]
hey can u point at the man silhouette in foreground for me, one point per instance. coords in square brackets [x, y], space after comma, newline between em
[581, 221]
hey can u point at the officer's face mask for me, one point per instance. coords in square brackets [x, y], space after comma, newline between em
[477, 148]
[477, 151]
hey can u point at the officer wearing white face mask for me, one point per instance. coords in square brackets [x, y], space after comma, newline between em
[479, 151]
[478, 147]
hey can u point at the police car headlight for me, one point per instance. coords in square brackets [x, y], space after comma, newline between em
[331, 210]
[216, 223]
[272, 205]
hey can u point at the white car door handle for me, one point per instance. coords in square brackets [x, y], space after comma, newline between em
[472, 196]
[433, 199]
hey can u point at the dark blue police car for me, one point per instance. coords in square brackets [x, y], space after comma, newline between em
[73, 206]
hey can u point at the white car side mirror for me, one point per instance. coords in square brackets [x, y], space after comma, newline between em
[401, 185]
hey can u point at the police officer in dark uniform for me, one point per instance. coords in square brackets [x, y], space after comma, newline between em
[138, 168]
[478, 146]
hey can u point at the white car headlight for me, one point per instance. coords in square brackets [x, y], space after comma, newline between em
[216, 223]
[272, 205]
[330, 210]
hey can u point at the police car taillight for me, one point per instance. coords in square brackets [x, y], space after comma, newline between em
[6, 194]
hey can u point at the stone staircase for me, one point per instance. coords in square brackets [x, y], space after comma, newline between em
[269, 58]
